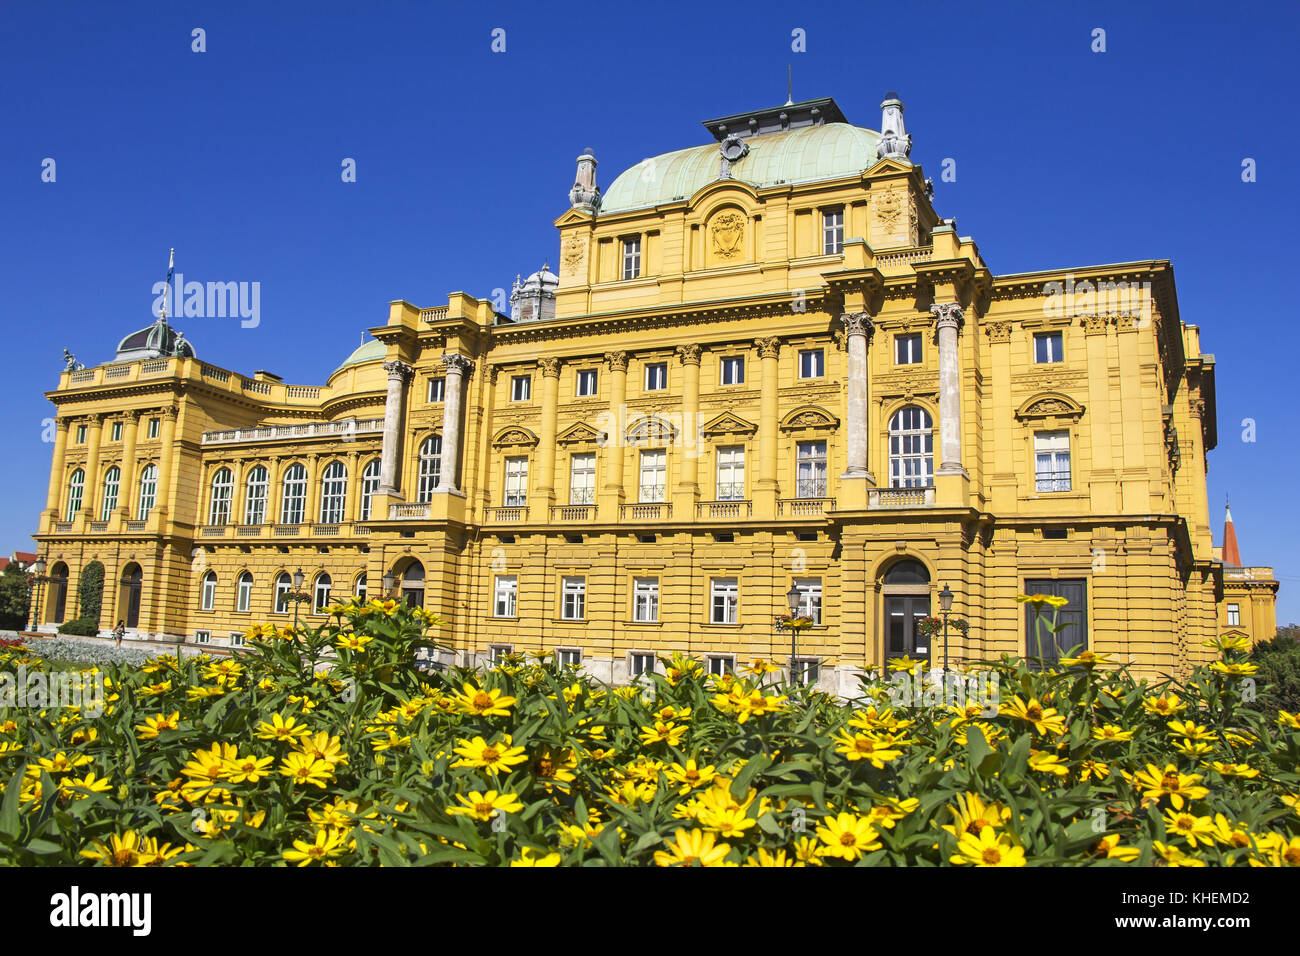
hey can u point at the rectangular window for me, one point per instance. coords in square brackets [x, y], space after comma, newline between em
[497, 654]
[1234, 615]
[733, 370]
[582, 479]
[731, 473]
[568, 657]
[586, 382]
[1073, 619]
[807, 670]
[115, 433]
[236, 639]
[505, 594]
[832, 232]
[810, 475]
[724, 595]
[632, 257]
[573, 600]
[638, 664]
[645, 600]
[656, 377]
[81, 434]
[202, 637]
[812, 363]
[516, 482]
[1052, 461]
[907, 349]
[810, 598]
[654, 475]
[721, 664]
[437, 389]
[1048, 347]
[521, 388]
[153, 428]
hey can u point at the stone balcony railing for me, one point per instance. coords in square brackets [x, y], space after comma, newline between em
[573, 512]
[306, 529]
[900, 497]
[730, 510]
[408, 509]
[646, 511]
[308, 430]
[804, 507]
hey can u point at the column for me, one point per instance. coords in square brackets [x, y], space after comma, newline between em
[459, 368]
[162, 501]
[857, 329]
[53, 500]
[398, 374]
[545, 496]
[690, 450]
[352, 506]
[612, 493]
[93, 490]
[949, 316]
[126, 490]
[311, 510]
[766, 488]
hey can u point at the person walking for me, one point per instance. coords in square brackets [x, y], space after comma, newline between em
[118, 633]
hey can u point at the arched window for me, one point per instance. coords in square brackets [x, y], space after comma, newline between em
[283, 585]
[255, 496]
[148, 492]
[369, 485]
[907, 571]
[112, 484]
[208, 596]
[360, 587]
[333, 493]
[911, 448]
[293, 501]
[322, 601]
[244, 593]
[76, 485]
[413, 585]
[430, 468]
[223, 490]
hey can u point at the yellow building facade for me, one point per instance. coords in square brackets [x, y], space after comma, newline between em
[764, 363]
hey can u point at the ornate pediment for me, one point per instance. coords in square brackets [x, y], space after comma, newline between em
[728, 425]
[581, 434]
[810, 418]
[514, 436]
[1050, 405]
[651, 430]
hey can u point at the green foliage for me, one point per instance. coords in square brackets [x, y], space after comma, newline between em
[90, 590]
[15, 598]
[80, 628]
[1279, 674]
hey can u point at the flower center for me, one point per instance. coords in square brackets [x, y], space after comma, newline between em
[848, 839]
[992, 855]
[1034, 712]
[482, 701]
[490, 754]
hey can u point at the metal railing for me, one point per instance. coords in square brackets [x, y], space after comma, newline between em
[810, 488]
[1052, 481]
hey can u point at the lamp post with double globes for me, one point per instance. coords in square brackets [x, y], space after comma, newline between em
[793, 598]
[945, 605]
[297, 595]
[38, 573]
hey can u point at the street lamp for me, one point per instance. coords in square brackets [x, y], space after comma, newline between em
[388, 580]
[297, 590]
[945, 605]
[792, 598]
[38, 569]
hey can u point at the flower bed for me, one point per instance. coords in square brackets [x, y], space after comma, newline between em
[325, 746]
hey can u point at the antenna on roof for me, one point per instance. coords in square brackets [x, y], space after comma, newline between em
[789, 84]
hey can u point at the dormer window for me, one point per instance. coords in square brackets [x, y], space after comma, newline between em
[632, 257]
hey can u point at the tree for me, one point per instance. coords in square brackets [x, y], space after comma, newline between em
[1279, 671]
[90, 590]
[15, 598]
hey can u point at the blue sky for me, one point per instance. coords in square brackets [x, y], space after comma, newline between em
[1065, 157]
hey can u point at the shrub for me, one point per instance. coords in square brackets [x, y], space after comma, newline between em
[1279, 674]
[81, 627]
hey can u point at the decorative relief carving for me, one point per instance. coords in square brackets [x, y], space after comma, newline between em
[514, 437]
[947, 313]
[1050, 406]
[688, 354]
[727, 425]
[727, 230]
[1095, 324]
[651, 430]
[550, 367]
[857, 323]
[907, 387]
[1171, 445]
[616, 361]
[573, 252]
[998, 332]
[398, 370]
[581, 434]
[455, 363]
[809, 419]
[769, 347]
[889, 208]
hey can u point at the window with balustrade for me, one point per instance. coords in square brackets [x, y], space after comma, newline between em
[112, 484]
[223, 492]
[256, 489]
[654, 475]
[76, 487]
[430, 468]
[582, 479]
[293, 498]
[333, 493]
[516, 495]
[810, 469]
[1052, 460]
[911, 448]
[148, 492]
[731, 473]
[369, 486]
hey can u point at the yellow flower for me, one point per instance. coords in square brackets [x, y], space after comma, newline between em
[1288, 720]
[1178, 787]
[692, 848]
[1085, 659]
[282, 728]
[62, 763]
[1048, 763]
[306, 769]
[484, 806]
[327, 845]
[1111, 732]
[988, 848]
[690, 775]
[483, 703]
[1190, 827]
[497, 757]
[1164, 705]
[663, 732]
[971, 815]
[847, 836]
[805, 851]
[767, 858]
[888, 814]
[323, 747]
[247, 769]
[528, 858]
[353, 642]
[1172, 856]
[1038, 600]
[152, 726]
[1044, 719]
[866, 747]
[1109, 847]
[121, 850]
[88, 784]
[1243, 669]
[1191, 730]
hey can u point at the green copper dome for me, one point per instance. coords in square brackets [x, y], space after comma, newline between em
[809, 154]
[372, 351]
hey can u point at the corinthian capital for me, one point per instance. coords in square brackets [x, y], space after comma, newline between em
[458, 364]
[947, 313]
[857, 323]
[398, 370]
[550, 367]
[617, 361]
[688, 354]
[768, 347]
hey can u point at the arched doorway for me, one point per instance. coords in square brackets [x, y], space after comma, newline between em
[56, 603]
[129, 592]
[905, 588]
[413, 584]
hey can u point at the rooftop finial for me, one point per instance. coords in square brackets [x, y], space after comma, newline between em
[585, 194]
[789, 85]
[171, 268]
[895, 143]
